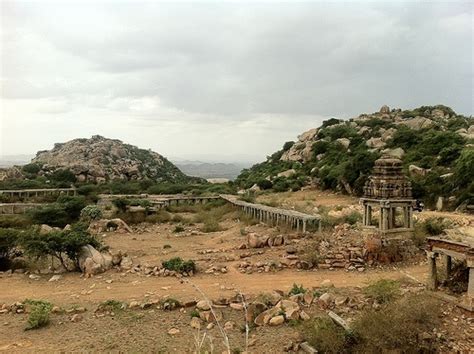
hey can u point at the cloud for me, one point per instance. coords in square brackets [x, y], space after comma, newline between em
[251, 69]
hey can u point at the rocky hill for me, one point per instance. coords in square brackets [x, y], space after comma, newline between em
[435, 144]
[99, 159]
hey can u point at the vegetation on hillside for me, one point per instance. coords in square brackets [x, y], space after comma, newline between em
[341, 155]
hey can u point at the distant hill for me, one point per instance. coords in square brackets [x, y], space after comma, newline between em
[210, 170]
[12, 160]
[434, 143]
[99, 159]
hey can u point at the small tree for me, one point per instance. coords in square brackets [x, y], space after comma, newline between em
[62, 245]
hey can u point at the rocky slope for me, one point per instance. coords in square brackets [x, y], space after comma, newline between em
[99, 159]
[435, 144]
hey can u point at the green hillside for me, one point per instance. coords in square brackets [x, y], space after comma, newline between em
[434, 143]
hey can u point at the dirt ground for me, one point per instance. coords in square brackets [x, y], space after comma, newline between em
[147, 330]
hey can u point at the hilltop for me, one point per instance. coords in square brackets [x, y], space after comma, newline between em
[434, 143]
[99, 159]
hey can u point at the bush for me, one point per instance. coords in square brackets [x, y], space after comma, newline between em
[211, 225]
[353, 218]
[178, 265]
[63, 177]
[161, 216]
[264, 184]
[15, 221]
[178, 228]
[62, 245]
[90, 213]
[324, 335]
[295, 290]
[39, 314]
[383, 290]
[65, 211]
[287, 146]
[435, 226]
[8, 242]
[397, 326]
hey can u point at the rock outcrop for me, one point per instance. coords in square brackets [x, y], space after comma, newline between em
[99, 159]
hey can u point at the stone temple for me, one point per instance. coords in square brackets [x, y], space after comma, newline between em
[389, 191]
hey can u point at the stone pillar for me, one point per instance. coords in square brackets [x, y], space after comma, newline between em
[447, 265]
[369, 216]
[304, 225]
[410, 217]
[470, 285]
[432, 281]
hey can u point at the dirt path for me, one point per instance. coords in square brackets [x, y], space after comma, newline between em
[73, 289]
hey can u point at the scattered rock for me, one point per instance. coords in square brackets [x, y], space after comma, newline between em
[277, 320]
[196, 323]
[56, 277]
[76, 318]
[173, 331]
[203, 305]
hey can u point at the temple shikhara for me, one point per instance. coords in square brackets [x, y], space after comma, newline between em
[388, 190]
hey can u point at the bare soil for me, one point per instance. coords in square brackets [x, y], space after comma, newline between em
[147, 330]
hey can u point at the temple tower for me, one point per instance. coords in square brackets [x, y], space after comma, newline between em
[388, 190]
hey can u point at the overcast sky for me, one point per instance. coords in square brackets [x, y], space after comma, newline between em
[221, 80]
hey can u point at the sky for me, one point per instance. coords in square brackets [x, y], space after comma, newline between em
[223, 80]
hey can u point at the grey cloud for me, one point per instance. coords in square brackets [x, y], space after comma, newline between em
[249, 67]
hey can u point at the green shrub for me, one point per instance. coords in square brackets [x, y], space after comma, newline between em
[324, 335]
[8, 242]
[62, 245]
[287, 146]
[435, 226]
[178, 228]
[353, 218]
[111, 306]
[383, 290]
[248, 197]
[295, 290]
[264, 184]
[66, 210]
[161, 216]
[39, 314]
[397, 326]
[15, 221]
[211, 225]
[62, 177]
[90, 213]
[178, 265]
[194, 313]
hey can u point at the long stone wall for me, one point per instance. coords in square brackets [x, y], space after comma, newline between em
[17, 208]
[28, 193]
[275, 216]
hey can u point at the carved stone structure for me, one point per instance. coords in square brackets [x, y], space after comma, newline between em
[389, 190]
[463, 250]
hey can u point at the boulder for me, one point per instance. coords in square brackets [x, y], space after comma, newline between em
[308, 135]
[325, 300]
[375, 143]
[93, 262]
[344, 142]
[275, 241]
[418, 171]
[384, 109]
[277, 320]
[287, 173]
[203, 305]
[45, 229]
[417, 123]
[396, 153]
[104, 225]
[256, 241]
